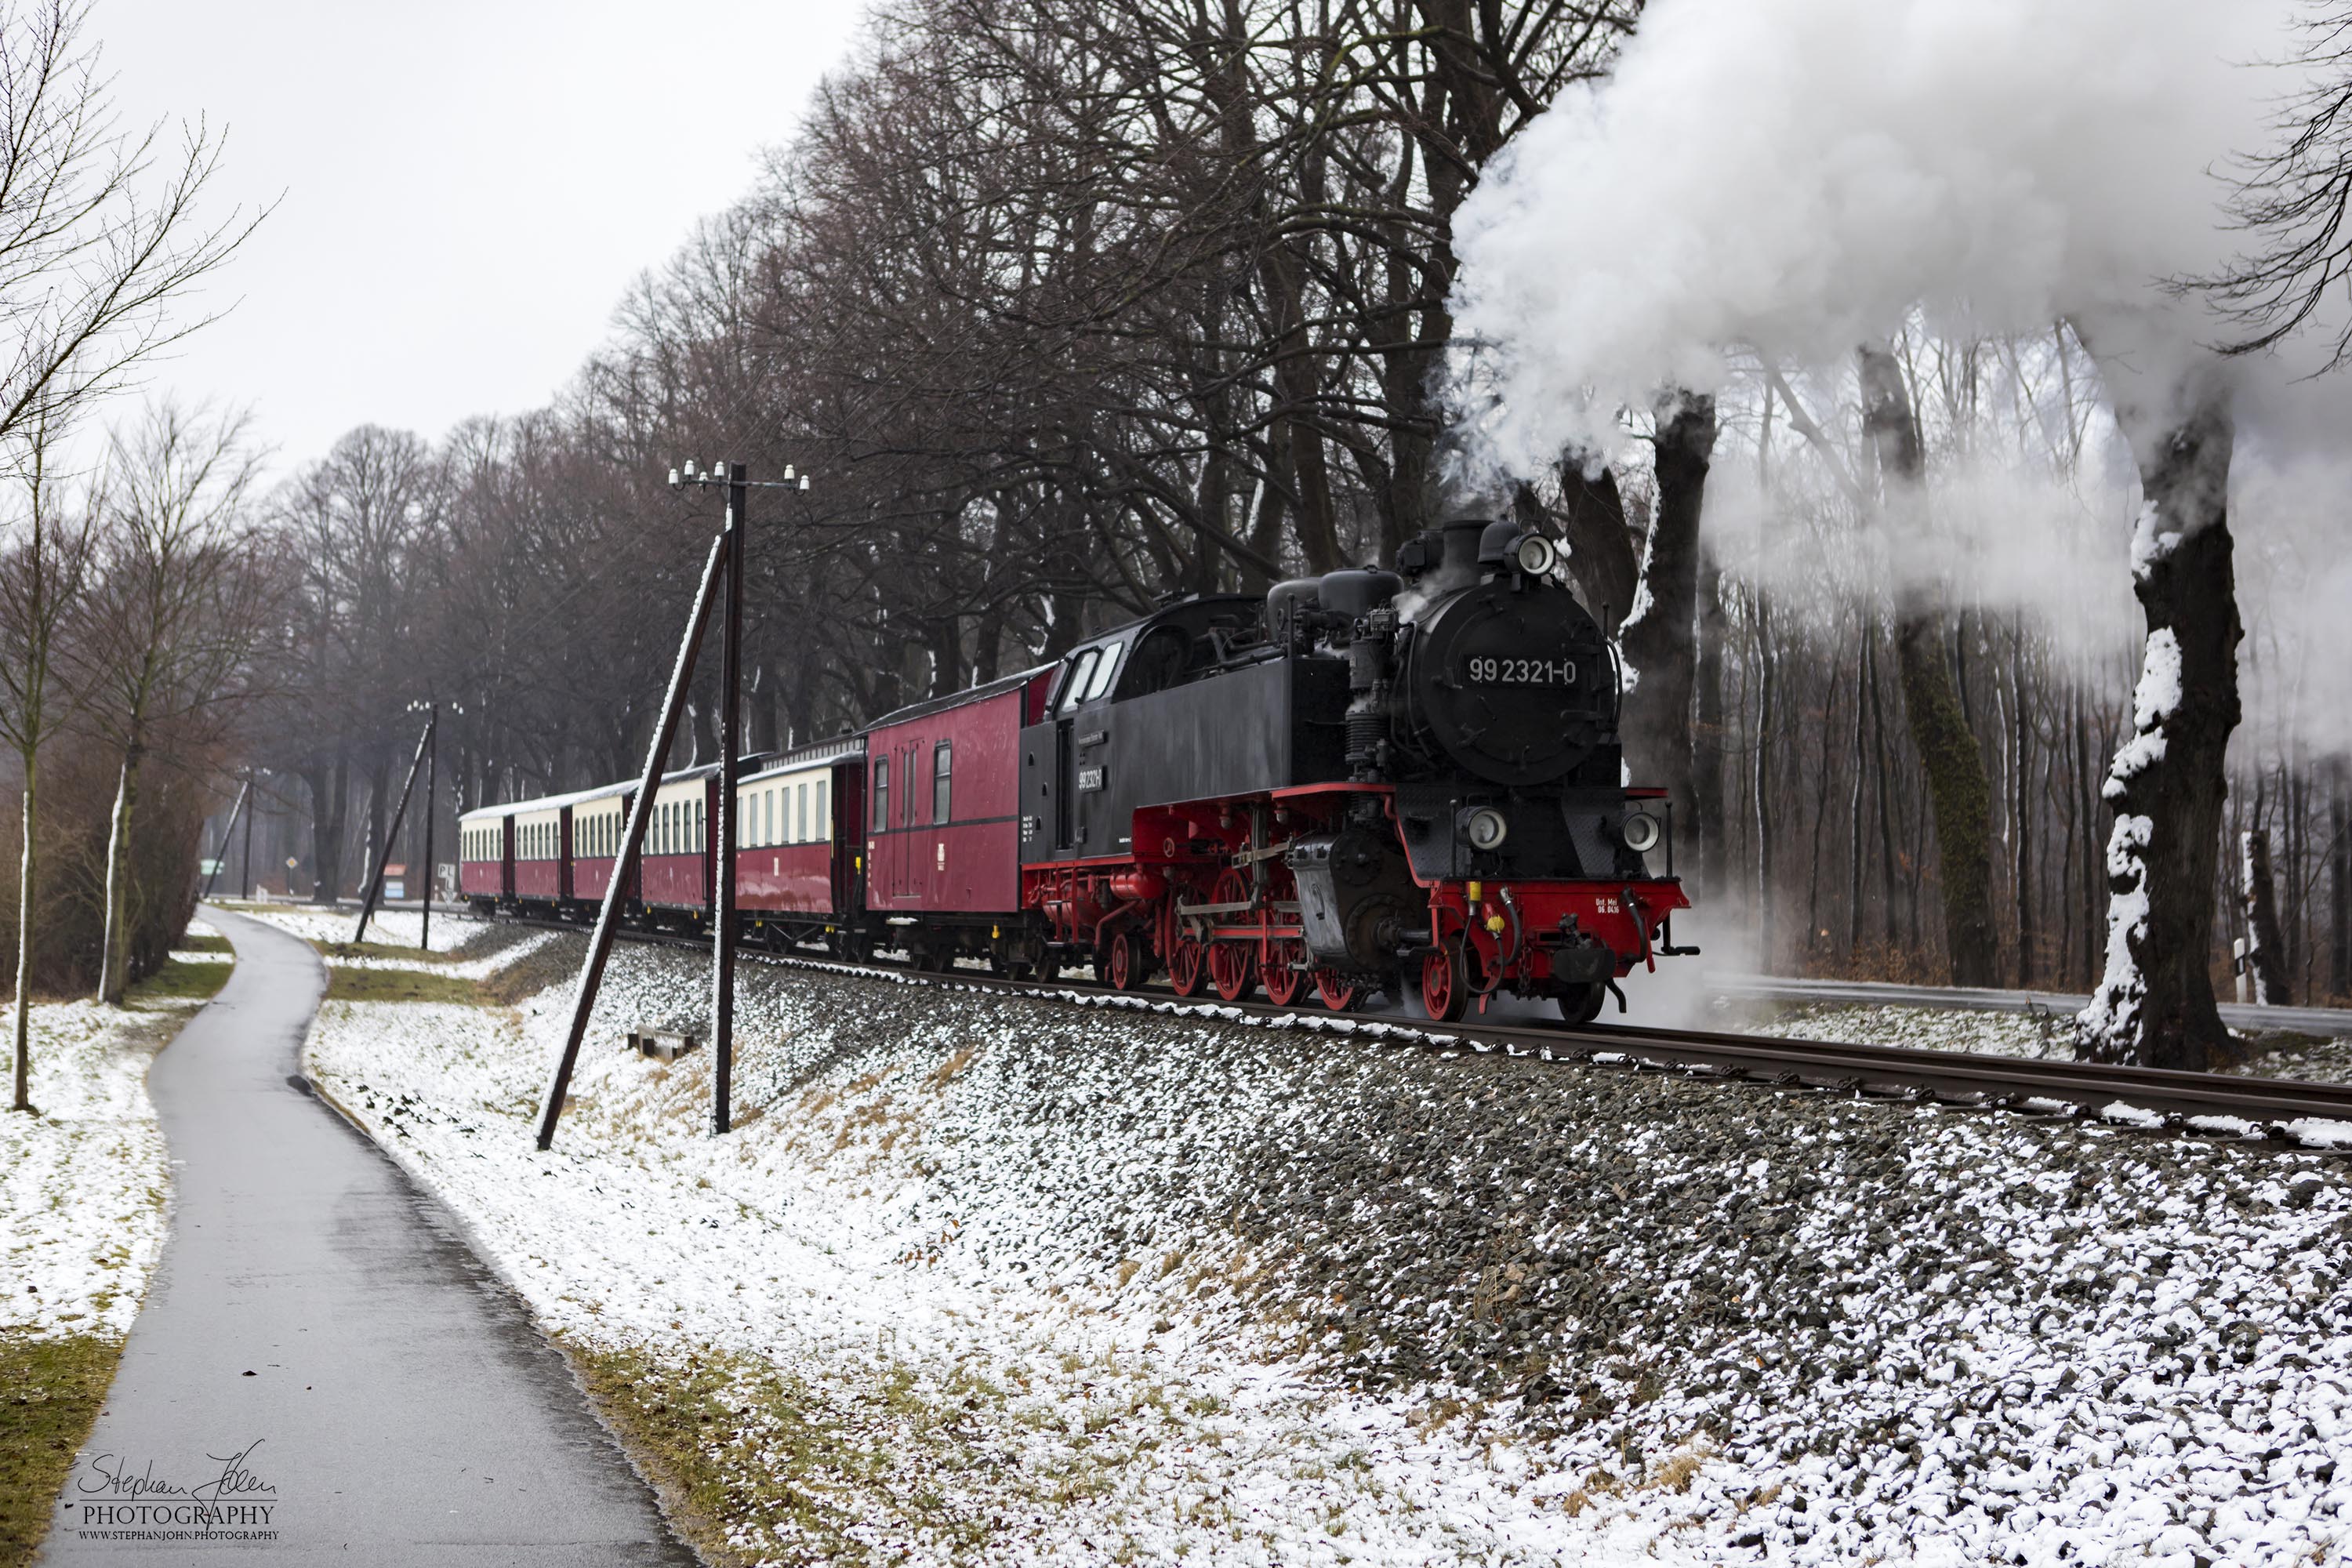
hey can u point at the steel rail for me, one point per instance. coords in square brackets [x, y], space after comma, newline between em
[2148, 1098]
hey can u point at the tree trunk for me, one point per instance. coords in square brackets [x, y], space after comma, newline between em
[330, 789]
[1599, 545]
[1762, 761]
[2021, 769]
[2339, 888]
[1957, 790]
[1708, 823]
[1886, 790]
[2265, 954]
[2155, 1003]
[26, 864]
[114, 957]
[1661, 639]
[1864, 632]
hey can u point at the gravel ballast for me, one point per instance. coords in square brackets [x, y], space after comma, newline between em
[1580, 1310]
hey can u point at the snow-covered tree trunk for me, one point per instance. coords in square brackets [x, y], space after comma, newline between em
[1660, 636]
[2265, 953]
[2155, 1003]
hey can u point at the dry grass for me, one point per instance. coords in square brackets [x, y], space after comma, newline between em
[53, 1389]
[347, 984]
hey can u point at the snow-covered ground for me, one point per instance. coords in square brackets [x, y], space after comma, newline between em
[1080, 1415]
[82, 1184]
[2024, 1035]
[1055, 1284]
[393, 928]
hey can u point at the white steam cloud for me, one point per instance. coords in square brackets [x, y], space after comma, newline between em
[1790, 179]
[1798, 175]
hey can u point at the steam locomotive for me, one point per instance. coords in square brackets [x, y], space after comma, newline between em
[1361, 778]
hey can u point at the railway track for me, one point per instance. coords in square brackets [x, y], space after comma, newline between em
[2315, 1115]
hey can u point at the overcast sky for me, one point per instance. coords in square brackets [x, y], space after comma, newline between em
[468, 188]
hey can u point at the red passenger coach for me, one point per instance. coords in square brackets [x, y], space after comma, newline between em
[541, 853]
[485, 857]
[943, 813]
[598, 820]
[675, 868]
[798, 842]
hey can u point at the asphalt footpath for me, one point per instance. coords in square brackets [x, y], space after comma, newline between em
[323, 1370]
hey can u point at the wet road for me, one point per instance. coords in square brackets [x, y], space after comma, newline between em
[317, 1314]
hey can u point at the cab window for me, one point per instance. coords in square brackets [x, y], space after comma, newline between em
[1104, 669]
[1074, 685]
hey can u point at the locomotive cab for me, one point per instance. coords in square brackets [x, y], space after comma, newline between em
[1364, 773]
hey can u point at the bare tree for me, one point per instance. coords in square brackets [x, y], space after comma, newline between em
[101, 231]
[41, 580]
[2297, 200]
[174, 617]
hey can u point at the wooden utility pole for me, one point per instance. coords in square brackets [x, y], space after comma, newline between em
[728, 553]
[731, 769]
[228, 833]
[392, 831]
[432, 772]
[624, 862]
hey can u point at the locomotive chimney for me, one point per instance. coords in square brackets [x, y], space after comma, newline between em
[1463, 538]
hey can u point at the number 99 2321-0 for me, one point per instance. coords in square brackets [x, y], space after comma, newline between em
[1487, 671]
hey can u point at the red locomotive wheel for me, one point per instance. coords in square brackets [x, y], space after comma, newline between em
[1284, 981]
[1231, 968]
[1184, 966]
[1444, 984]
[1336, 992]
[1117, 963]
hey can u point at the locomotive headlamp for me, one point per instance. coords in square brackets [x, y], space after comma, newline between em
[1641, 832]
[1535, 554]
[1484, 829]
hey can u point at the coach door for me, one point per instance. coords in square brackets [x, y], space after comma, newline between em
[912, 780]
[846, 822]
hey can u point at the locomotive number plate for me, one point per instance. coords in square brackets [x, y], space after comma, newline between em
[1490, 671]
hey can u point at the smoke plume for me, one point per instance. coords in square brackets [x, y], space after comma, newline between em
[1785, 180]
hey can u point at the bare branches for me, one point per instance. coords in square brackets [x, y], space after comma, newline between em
[101, 230]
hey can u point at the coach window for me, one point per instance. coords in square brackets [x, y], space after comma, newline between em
[881, 792]
[802, 811]
[823, 823]
[1104, 669]
[1074, 687]
[942, 759]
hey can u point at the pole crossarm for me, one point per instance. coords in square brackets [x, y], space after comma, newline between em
[391, 831]
[624, 864]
